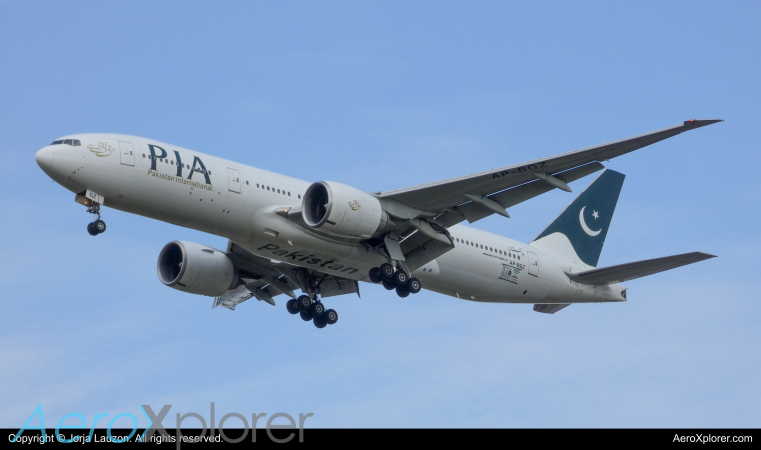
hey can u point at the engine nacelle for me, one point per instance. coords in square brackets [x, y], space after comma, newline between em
[196, 268]
[342, 210]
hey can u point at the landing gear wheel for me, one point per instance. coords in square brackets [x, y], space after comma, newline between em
[388, 285]
[320, 322]
[91, 229]
[317, 310]
[292, 306]
[387, 271]
[99, 226]
[402, 292]
[400, 279]
[306, 317]
[375, 275]
[331, 316]
[414, 285]
[304, 303]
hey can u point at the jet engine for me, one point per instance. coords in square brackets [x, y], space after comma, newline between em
[342, 210]
[196, 268]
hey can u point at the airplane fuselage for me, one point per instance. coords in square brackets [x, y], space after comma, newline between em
[238, 202]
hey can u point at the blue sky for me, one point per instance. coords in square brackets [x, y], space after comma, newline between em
[382, 95]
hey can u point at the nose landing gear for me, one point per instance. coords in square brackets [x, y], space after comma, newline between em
[395, 278]
[97, 226]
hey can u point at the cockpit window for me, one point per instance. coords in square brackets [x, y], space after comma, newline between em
[74, 142]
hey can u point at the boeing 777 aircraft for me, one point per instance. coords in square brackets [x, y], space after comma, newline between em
[322, 238]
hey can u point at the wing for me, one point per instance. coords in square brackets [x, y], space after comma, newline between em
[485, 193]
[265, 279]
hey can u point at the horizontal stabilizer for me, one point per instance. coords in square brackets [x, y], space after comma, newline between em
[550, 308]
[631, 271]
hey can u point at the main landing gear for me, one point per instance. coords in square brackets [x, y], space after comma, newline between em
[313, 310]
[391, 278]
[97, 226]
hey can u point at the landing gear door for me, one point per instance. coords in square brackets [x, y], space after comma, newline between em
[533, 264]
[128, 153]
[233, 177]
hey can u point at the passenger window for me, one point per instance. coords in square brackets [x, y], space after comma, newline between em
[299, 196]
[268, 188]
[289, 194]
[257, 184]
[172, 162]
[278, 191]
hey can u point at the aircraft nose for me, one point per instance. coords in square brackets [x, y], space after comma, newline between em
[45, 158]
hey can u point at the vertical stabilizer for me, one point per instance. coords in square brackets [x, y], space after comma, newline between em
[579, 231]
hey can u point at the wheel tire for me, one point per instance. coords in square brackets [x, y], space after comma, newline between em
[318, 309]
[388, 285]
[320, 322]
[91, 229]
[331, 316]
[304, 303]
[387, 271]
[414, 285]
[292, 306]
[400, 279]
[402, 292]
[99, 226]
[375, 275]
[305, 316]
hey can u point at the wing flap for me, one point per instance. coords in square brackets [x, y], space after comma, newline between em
[634, 270]
[511, 197]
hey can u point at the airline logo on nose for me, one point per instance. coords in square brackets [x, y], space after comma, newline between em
[102, 149]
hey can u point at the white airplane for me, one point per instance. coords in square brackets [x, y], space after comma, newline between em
[323, 238]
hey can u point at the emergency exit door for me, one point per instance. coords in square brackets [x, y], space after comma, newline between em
[533, 264]
[233, 178]
[127, 152]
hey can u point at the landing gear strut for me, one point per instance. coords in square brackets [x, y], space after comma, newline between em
[395, 278]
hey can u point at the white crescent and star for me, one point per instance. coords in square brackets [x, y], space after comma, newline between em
[584, 226]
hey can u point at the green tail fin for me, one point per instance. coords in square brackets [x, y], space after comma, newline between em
[586, 220]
